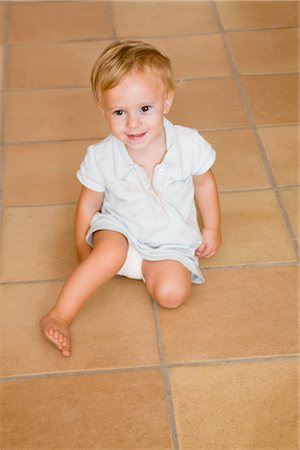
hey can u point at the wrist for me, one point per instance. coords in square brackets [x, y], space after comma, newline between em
[213, 228]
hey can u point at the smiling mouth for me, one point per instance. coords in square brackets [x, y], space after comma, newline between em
[134, 137]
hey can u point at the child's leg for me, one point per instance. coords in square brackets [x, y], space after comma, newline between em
[105, 260]
[169, 282]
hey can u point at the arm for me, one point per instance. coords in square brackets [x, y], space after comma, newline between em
[89, 203]
[206, 194]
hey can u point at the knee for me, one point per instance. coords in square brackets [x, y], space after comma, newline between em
[171, 296]
[113, 256]
[114, 251]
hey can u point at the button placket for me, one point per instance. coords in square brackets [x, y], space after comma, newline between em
[159, 179]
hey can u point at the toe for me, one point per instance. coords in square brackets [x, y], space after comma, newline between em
[66, 353]
[66, 347]
[50, 331]
[61, 338]
[56, 334]
[65, 342]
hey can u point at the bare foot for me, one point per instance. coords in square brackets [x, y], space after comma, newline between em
[56, 330]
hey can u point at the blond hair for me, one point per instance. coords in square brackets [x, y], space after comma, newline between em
[119, 58]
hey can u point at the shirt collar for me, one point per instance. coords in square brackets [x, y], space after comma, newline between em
[124, 164]
[172, 143]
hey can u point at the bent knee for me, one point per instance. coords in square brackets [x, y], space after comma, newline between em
[171, 297]
[111, 247]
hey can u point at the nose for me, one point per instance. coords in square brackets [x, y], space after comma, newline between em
[132, 120]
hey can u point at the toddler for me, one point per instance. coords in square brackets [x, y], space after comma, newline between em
[136, 214]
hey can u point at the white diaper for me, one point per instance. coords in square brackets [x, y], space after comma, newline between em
[132, 268]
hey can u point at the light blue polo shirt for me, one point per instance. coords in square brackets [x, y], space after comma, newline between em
[158, 219]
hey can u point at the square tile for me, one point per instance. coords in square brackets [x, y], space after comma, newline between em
[114, 330]
[253, 231]
[267, 51]
[54, 114]
[208, 103]
[273, 99]
[154, 18]
[58, 21]
[239, 164]
[291, 197]
[53, 65]
[210, 59]
[235, 314]
[237, 15]
[282, 146]
[243, 406]
[51, 169]
[37, 243]
[108, 411]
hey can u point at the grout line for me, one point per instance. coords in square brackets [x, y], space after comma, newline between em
[268, 74]
[5, 19]
[288, 186]
[42, 281]
[87, 87]
[205, 33]
[236, 361]
[5, 30]
[248, 127]
[54, 141]
[49, 88]
[255, 30]
[112, 19]
[200, 363]
[202, 130]
[99, 39]
[256, 265]
[179, 81]
[74, 373]
[289, 226]
[221, 191]
[245, 190]
[251, 118]
[145, 37]
[40, 205]
[166, 378]
[258, 189]
[111, 38]
[203, 268]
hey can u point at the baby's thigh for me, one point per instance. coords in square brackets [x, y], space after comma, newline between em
[169, 282]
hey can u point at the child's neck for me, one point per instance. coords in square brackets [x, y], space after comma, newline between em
[148, 158]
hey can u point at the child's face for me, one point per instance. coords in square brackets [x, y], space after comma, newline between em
[134, 110]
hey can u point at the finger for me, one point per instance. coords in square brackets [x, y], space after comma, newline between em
[200, 251]
[206, 252]
[208, 255]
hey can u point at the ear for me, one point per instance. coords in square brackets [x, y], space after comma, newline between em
[168, 102]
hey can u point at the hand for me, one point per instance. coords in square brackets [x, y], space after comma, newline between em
[211, 241]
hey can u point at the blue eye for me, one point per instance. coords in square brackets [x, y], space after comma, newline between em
[146, 108]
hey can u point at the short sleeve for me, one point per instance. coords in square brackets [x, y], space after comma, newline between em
[89, 173]
[203, 156]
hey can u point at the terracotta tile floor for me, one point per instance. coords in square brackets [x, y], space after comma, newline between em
[221, 371]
